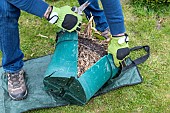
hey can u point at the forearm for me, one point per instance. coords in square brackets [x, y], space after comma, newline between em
[35, 7]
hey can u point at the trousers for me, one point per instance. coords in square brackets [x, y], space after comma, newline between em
[9, 33]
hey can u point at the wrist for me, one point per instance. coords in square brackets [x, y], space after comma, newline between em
[121, 38]
[52, 14]
[120, 35]
[48, 12]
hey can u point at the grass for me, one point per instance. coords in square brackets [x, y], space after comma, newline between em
[152, 96]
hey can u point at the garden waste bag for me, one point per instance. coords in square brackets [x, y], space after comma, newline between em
[52, 80]
[62, 80]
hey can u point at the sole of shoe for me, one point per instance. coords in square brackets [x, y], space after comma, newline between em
[17, 99]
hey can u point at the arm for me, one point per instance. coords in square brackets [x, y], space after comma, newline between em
[35, 7]
[63, 17]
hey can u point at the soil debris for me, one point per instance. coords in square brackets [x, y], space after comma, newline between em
[90, 51]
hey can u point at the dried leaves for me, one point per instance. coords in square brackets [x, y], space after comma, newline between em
[90, 51]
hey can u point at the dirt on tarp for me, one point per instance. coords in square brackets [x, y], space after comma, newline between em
[90, 51]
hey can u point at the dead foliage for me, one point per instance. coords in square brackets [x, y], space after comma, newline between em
[90, 51]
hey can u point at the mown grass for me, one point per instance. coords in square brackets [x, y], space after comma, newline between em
[152, 96]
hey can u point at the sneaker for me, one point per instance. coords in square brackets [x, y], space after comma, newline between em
[106, 34]
[16, 85]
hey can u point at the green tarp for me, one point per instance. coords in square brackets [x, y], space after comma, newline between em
[39, 98]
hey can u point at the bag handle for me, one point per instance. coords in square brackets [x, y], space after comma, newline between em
[141, 59]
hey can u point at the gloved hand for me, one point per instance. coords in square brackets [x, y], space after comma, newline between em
[118, 47]
[65, 18]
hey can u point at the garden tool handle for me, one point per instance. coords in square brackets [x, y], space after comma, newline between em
[79, 10]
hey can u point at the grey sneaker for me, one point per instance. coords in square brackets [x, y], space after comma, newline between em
[16, 85]
[106, 34]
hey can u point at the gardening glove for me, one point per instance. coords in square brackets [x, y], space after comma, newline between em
[65, 18]
[118, 47]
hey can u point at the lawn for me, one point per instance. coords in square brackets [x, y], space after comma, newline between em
[152, 96]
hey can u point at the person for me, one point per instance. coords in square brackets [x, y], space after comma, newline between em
[12, 55]
[99, 18]
[64, 18]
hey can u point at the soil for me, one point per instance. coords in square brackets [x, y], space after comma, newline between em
[90, 51]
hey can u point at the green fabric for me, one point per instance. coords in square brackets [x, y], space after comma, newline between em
[60, 80]
[62, 85]
[126, 77]
[64, 62]
[62, 72]
[80, 90]
[38, 98]
[114, 46]
[62, 12]
[96, 76]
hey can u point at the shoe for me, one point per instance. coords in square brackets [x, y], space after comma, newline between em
[16, 85]
[105, 35]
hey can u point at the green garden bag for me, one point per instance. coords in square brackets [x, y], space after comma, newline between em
[61, 78]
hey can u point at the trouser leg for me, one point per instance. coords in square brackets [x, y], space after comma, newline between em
[114, 15]
[9, 37]
[99, 17]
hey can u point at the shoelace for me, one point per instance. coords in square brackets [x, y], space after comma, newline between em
[14, 78]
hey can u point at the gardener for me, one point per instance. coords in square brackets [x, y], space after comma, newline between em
[64, 18]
